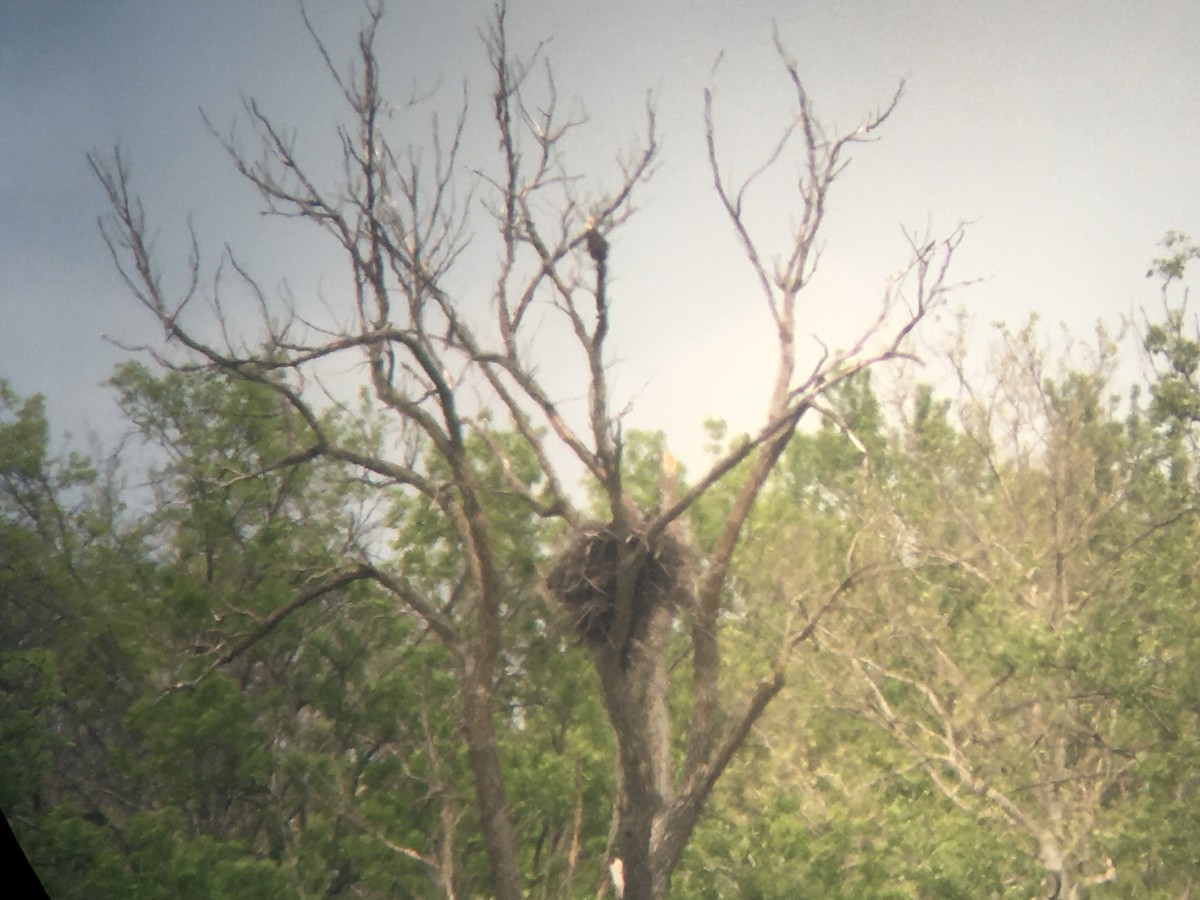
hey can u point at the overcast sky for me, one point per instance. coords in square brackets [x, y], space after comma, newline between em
[1068, 132]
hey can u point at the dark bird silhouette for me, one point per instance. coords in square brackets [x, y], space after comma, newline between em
[596, 244]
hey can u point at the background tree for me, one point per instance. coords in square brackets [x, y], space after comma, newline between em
[465, 462]
[996, 703]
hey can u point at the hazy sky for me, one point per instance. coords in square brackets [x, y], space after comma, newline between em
[1068, 132]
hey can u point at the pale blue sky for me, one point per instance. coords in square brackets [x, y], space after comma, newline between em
[1068, 131]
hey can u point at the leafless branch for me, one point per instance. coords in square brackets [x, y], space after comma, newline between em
[328, 585]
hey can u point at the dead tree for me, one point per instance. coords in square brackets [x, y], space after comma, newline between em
[402, 226]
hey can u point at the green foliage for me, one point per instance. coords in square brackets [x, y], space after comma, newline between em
[1175, 399]
[1181, 250]
[29, 689]
[1004, 672]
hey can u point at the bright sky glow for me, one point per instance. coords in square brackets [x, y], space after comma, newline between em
[1069, 133]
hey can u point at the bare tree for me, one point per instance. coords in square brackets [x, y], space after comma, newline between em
[402, 225]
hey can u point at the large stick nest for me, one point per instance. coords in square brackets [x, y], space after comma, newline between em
[585, 580]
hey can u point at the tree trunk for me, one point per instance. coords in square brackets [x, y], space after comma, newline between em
[635, 696]
[498, 834]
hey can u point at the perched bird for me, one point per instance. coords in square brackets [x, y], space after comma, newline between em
[596, 244]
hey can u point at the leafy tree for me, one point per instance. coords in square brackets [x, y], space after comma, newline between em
[993, 704]
[59, 569]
